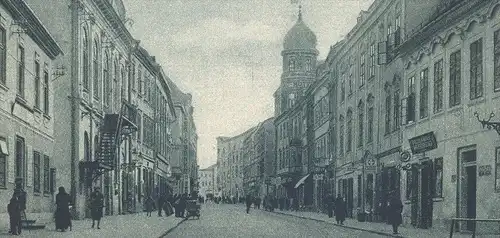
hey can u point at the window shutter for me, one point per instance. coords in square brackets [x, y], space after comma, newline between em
[382, 52]
[29, 162]
[404, 111]
[11, 159]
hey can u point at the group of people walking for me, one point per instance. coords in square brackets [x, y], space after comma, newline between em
[169, 204]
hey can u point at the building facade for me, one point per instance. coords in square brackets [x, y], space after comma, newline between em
[299, 64]
[206, 180]
[452, 72]
[28, 68]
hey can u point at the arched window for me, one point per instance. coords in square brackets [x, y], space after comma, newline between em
[107, 80]
[123, 81]
[86, 147]
[116, 84]
[85, 60]
[96, 147]
[361, 121]
[349, 130]
[96, 70]
[341, 135]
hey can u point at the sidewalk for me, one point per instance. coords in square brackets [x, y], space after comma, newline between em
[378, 228]
[134, 225]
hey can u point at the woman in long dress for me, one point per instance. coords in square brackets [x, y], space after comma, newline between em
[97, 204]
[62, 215]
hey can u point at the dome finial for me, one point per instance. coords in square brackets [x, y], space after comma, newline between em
[300, 12]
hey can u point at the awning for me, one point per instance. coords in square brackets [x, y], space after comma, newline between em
[301, 181]
[3, 147]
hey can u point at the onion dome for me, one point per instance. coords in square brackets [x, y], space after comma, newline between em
[300, 37]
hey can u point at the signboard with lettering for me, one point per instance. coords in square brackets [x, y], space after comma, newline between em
[484, 170]
[423, 143]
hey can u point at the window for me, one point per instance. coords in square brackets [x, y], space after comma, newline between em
[116, 91]
[140, 81]
[123, 82]
[497, 169]
[362, 70]
[370, 124]
[438, 86]
[351, 72]
[46, 100]
[20, 158]
[455, 81]
[476, 69]
[291, 64]
[132, 80]
[3, 56]
[372, 60]
[424, 93]
[36, 171]
[96, 70]
[3, 162]
[397, 37]
[308, 65]
[411, 100]
[361, 121]
[20, 72]
[388, 114]
[396, 111]
[37, 83]
[46, 177]
[341, 136]
[496, 50]
[438, 177]
[106, 78]
[349, 130]
[85, 61]
[342, 88]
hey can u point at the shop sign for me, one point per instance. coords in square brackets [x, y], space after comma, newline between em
[423, 143]
[484, 170]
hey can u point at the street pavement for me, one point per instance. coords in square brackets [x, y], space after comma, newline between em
[222, 220]
[134, 225]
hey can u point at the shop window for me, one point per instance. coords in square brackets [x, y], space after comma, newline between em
[36, 171]
[438, 177]
[408, 184]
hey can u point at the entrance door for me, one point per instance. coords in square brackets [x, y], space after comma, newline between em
[468, 188]
[426, 203]
[415, 174]
[350, 196]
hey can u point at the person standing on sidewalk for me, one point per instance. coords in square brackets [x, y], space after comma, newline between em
[248, 201]
[62, 215]
[149, 203]
[161, 201]
[394, 211]
[14, 210]
[340, 210]
[96, 203]
[329, 204]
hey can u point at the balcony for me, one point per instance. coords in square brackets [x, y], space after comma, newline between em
[296, 142]
[129, 114]
[290, 170]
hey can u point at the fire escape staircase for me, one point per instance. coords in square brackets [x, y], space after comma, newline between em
[115, 129]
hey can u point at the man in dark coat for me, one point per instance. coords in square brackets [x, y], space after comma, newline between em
[14, 210]
[340, 210]
[329, 204]
[248, 202]
[394, 211]
[96, 203]
[257, 202]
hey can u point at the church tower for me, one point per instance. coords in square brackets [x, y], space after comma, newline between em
[299, 63]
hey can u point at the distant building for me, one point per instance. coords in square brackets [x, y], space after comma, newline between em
[206, 181]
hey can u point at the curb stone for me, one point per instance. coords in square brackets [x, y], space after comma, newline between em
[344, 226]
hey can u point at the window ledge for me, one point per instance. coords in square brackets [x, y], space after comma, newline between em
[476, 101]
[437, 114]
[423, 120]
[47, 116]
[410, 124]
[21, 101]
[438, 199]
[38, 110]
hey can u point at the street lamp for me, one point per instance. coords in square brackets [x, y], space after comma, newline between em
[488, 124]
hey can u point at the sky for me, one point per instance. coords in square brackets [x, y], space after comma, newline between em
[227, 53]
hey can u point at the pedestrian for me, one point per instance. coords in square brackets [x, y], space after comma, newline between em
[14, 210]
[62, 214]
[149, 203]
[161, 200]
[330, 201]
[340, 210]
[257, 202]
[394, 211]
[248, 202]
[96, 203]
[182, 204]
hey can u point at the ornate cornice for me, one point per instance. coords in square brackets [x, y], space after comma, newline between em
[33, 26]
[441, 38]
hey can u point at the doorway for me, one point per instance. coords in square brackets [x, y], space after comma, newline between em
[426, 202]
[467, 188]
